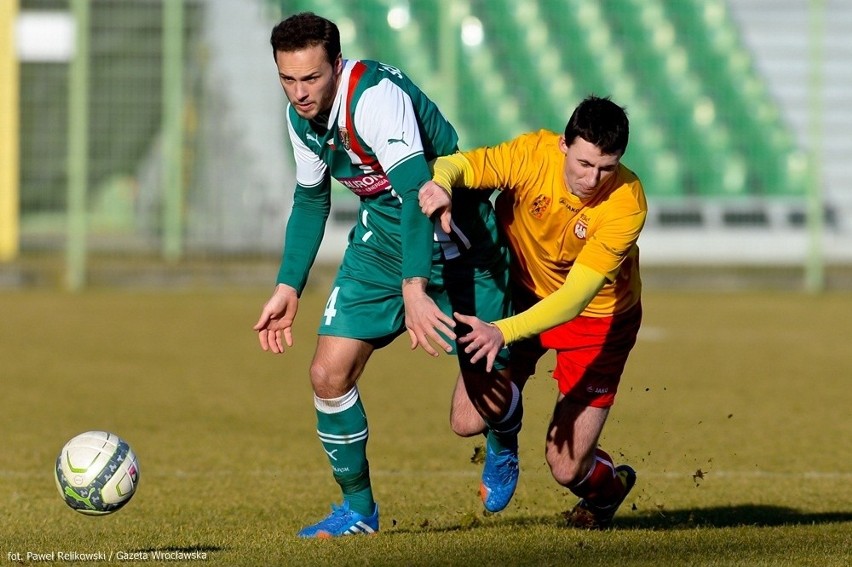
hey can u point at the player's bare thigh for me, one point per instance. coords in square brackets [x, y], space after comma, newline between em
[338, 363]
[572, 438]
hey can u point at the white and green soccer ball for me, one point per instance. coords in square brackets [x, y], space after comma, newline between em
[96, 473]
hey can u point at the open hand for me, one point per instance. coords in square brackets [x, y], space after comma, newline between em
[275, 325]
[484, 340]
[424, 320]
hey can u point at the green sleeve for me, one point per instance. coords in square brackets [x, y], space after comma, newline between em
[418, 231]
[302, 238]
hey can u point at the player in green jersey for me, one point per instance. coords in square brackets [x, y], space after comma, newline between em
[367, 125]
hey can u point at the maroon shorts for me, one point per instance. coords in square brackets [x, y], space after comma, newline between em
[590, 355]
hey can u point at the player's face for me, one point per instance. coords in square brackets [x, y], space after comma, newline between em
[586, 169]
[309, 80]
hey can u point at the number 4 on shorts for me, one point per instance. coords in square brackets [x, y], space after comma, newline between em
[330, 310]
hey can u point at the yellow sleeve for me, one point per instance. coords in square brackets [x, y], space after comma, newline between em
[452, 171]
[580, 287]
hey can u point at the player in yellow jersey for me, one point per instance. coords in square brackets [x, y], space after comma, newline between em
[572, 213]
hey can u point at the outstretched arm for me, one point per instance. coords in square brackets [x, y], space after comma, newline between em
[485, 340]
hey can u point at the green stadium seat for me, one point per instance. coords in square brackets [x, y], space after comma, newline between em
[404, 47]
[702, 121]
[486, 107]
[651, 42]
[744, 105]
[598, 64]
[520, 41]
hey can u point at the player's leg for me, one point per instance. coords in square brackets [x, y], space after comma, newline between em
[573, 455]
[364, 312]
[492, 402]
[341, 419]
[500, 472]
[465, 420]
[499, 404]
[480, 289]
[495, 398]
[588, 471]
[495, 402]
[477, 285]
[590, 359]
[343, 431]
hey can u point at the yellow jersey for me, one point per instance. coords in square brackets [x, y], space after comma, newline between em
[549, 229]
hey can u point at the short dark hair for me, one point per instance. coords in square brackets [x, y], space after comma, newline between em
[601, 122]
[303, 30]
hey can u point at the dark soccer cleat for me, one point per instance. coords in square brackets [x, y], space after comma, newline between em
[588, 516]
[343, 522]
[499, 479]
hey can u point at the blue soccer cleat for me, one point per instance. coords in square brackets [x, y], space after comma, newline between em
[499, 478]
[343, 522]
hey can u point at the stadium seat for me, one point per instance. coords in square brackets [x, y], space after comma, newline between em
[702, 121]
[712, 41]
[599, 64]
[521, 39]
[712, 166]
[486, 106]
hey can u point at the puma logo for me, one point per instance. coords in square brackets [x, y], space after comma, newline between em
[398, 140]
[313, 137]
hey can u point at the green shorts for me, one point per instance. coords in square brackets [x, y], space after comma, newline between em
[365, 302]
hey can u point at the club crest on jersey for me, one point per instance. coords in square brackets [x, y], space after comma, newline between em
[539, 206]
[580, 229]
[344, 139]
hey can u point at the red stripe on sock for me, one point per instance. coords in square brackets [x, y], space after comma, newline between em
[601, 487]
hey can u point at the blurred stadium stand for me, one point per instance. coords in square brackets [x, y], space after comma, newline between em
[717, 93]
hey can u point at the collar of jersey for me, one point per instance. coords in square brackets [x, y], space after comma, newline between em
[341, 100]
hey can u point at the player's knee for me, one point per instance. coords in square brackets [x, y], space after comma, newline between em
[326, 383]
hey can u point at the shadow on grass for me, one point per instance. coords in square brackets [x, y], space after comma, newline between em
[715, 517]
[728, 517]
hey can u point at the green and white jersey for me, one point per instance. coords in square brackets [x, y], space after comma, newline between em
[379, 138]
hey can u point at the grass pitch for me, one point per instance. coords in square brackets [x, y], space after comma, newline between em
[734, 410]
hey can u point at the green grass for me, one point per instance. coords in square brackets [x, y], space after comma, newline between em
[749, 391]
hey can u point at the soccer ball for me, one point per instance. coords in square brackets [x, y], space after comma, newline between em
[96, 473]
